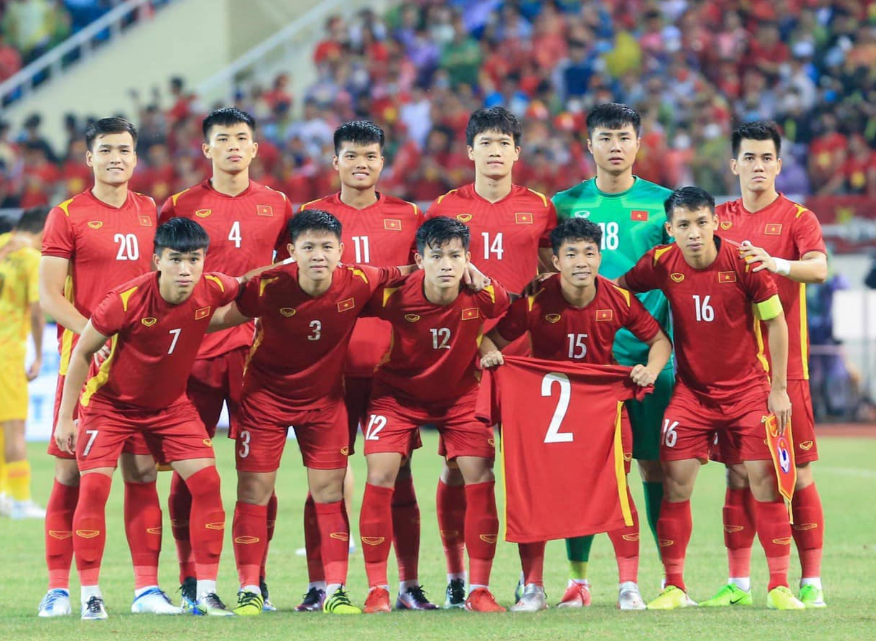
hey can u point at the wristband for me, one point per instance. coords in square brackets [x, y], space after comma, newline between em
[783, 266]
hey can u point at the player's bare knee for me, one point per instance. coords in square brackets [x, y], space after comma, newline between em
[326, 486]
[650, 471]
[138, 468]
[737, 477]
[67, 472]
[450, 474]
[475, 469]
[762, 480]
[254, 488]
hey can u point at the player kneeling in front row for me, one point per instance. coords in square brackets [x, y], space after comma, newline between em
[155, 324]
[574, 316]
[722, 382]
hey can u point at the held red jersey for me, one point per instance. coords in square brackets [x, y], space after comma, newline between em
[154, 343]
[106, 246]
[718, 345]
[561, 428]
[245, 230]
[383, 235]
[558, 331]
[301, 341]
[785, 230]
[505, 235]
[434, 347]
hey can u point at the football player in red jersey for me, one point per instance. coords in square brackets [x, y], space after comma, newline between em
[246, 222]
[93, 242]
[429, 376]
[783, 238]
[723, 387]
[509, 240]
[379, 230]
[154, 324]
[574, 316]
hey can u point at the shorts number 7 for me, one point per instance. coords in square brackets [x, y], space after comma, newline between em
[92, 434]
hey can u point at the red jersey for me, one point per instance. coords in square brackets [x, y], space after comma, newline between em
[245, 230]
[558, 331]
[384, 235]
[505, 235]
[106, 246]
[154, 343]
[299, 350]
[785, 230]
[434, 347]
[718, 345]
[546, 446]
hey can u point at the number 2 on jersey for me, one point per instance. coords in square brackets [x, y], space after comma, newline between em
[554, 435]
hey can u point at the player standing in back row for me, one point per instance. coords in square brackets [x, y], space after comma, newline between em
[630, 213]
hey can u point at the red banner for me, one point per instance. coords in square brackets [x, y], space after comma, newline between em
[782, 451]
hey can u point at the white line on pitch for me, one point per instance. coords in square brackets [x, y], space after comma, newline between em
[848, 471]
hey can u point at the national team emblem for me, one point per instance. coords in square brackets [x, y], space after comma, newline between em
[676, 277]
[203, 213]
[463, 218]
[392, 224]
[145, 220]
[581, 213]
[287, 311]
[265, 210]
[344, 305]
[604, 314]
[87, 534]
[639, 215]
[246, 540]
[726, 224]
[781, 448]
[372, 540]
[488, 538]
[149, 321]
[552, 318]
[471, 313]
[95, 224]
[203, 312]
[523, 218]
[726, 277]
[773, 229]
[412, 318]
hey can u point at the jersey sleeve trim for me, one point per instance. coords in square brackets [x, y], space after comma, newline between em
[125, 296]
[443, 196]
[540, 195]
[768, 309]
[389, 291]
[623, 292]
[216, 280]
[175, 197]
[99, 380]
[660, 251]
[64, 206]
[308, 204]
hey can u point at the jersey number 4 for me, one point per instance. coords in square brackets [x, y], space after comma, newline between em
[554, 435]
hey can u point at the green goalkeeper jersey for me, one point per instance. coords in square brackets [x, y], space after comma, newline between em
[632, 222]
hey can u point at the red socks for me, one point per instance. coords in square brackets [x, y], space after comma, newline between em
[450, 502]
[774, 533]
[59, 534]
[334, 538]
[272, 522]
[626, 547]
[179, 505]
[808, 530]
[315, 571]
[207, 522]
[481, 530]
[250, 533]
[406, 528]
[532, 562]
[739, 530]
[375, 531]
[89, 526]
[143, 527]
[673, 534]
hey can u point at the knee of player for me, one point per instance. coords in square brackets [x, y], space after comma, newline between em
[763, 480]
[737, 478]
[254, 487]
[138, 468]
[67, 472]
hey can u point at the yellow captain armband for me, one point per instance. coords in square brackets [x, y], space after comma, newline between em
[768, 309]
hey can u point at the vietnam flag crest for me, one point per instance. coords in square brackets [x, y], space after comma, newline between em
[523, 218]
[347, 304]
[203, 312]
[392, 224]
[265, 210]
[639, 215]
[773, 229]
[145, 220]
[726, 277]
[471, 313]
[604, 314]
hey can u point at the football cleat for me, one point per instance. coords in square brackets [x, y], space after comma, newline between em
[454, 596]
[377, 601]
[577, 595]
[26, 510]
[188, 595]
[728, 595]
[56, 603]
[533, 599]
[482, 600]
[267, 606]
[812, 597]
[781, 598]
[518, 591]
[154, 601]
[671, 598]
[414, 599]
[93, 610]
[339, 603]
[249, 604]
[629, 597]
[312, 601]
[211, 605]
[5, 504]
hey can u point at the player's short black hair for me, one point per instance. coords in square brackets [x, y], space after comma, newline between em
[493, 119]
[690, 198]
[33, 220]
[575, 230]
[105, 126]
[5, 225]
[756, 130]
[313, 220]
[437, 232]
[613, 116]
[180, 235]
[359, 132]
[226, 117]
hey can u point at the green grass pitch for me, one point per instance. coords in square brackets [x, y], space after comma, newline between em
[846, 478]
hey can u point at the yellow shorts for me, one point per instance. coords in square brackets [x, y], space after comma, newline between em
[13, 390]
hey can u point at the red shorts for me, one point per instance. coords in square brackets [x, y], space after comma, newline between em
[802, 429]
[171, 434]
[357, 396]
[136, 444]
[214, 382]
[393, 426]
[690, 426]
[321, 433]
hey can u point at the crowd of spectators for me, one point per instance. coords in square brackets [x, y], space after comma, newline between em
[692, 68]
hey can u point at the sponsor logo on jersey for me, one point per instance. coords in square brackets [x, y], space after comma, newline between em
[604, 314]
[628, 456]
[463, 217]
[203, 312]
[806, 526]
[208, 442]
[471, 313]
[87, 534]
[773, 229]
[639, 214]
[412, 318]
[246, 540]
[552, 318]
[346, 304]
[491, 442]
[287, 311]
[726, 224]
[488, 538]
[676, 277]
[148, 321]
[265, 210]
[726, 277]
[581, 213]
[145, 220]
[806, 445]
[372, 540]
[784, 540]
[60, 534]
[339, 536]
[523, 218]
[392, 224]
[203, 213]
[345, 451]
[95, 224]
[731, 529]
